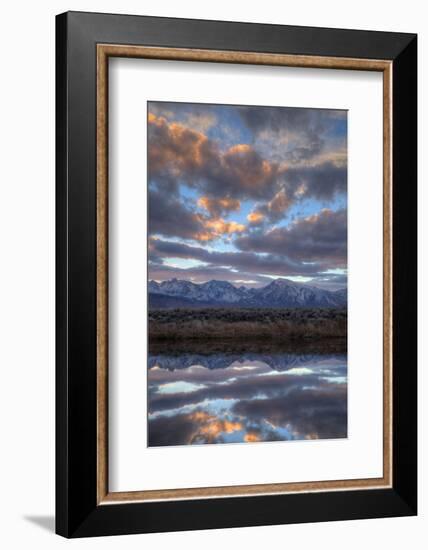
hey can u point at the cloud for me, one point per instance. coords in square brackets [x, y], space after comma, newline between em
[251, 437]
[179, 152]
[218, 206]
[255, 217]
[322, 181]
[274, 209]
[218, 228]
[243, 163]
[310, 246]
[201, 274]
[174, 148]
[280, 202]
[253, 405]
[244, 388]
[243, 262]
[199, 117]
[189, 429]
[296, 120]
[331, 281]
[321, 237]
[170, 431]
[240, 172]
[169, 216]
[229, 194]
[201, 122]
[292, 134]
[311, 414]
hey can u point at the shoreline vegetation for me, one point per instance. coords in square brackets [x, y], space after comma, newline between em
[258, 346]
[284, 324]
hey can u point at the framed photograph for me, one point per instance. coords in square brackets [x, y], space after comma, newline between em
[236, 274]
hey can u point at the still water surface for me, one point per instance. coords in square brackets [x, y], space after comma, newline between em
[239, 394]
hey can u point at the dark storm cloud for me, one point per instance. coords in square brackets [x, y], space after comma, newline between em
[244, 388]
[170, 431]
[169, 216]
[321, 413]
[318, 238]
[272, 263]
[193, 428]
[306, 129]
[321, 182]
[202, 427]
[276, 119]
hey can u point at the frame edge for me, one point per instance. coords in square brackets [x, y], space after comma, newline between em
[405, 274]
[61, 268]
[103, 520]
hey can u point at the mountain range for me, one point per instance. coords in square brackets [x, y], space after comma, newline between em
[279, 293]
[278, 362]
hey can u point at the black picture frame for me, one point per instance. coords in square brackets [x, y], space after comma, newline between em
[77, 511]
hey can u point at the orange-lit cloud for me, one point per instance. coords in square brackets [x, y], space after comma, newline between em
[211, 427]
[251, 437]
[179, 151]
[220, 226]
[216, 427]
[255, 217]
[152, 118]
[216, 206]
[215, 228]
[175, 146]
[240, 148]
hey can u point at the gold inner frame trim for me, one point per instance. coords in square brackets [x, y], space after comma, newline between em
[104, 51]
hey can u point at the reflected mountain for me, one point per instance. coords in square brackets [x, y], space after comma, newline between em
[232, 394]
[218, 361]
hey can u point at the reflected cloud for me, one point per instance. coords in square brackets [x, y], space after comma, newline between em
[222, 398]
[178, 387]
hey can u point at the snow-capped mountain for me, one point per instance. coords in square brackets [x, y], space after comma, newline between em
[216, 291]
[279, 293]
[279, 362]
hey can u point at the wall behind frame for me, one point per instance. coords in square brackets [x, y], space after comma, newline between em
[27, 271]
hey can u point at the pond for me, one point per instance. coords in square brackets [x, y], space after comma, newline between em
[241, 392]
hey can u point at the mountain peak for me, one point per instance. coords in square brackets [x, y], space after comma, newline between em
[215, 282]
[281, 282]
[279, 293]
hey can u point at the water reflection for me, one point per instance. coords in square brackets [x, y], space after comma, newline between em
[242, 393]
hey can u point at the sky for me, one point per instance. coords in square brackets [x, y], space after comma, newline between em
[247, 194]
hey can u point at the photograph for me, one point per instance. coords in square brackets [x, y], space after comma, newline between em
[247, 273]
[213, 304]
